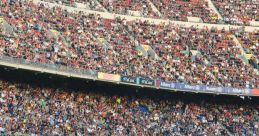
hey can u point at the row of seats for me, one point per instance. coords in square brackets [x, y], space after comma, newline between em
[250, 42]
[233, 12]
[181, 9]
[27, 110]
[129, 7]
[239, 12]
[88, 4]
[169, 52]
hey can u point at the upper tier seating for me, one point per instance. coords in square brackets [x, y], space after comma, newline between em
[88, 4]
[239, 12]
[188, 55]
[129, 7]
[181, 9]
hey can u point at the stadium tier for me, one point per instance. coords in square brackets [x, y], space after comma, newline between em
[59, 57]
[238, 12]
[181, 9]
[87, 4]
[167, 52]
[27, 110]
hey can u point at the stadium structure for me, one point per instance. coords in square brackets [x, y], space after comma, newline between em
[129, 67]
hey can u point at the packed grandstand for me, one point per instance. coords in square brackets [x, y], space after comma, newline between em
[196, 45]
[67, 106]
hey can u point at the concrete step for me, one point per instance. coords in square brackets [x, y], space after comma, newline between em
[154, 8]
[212, 7]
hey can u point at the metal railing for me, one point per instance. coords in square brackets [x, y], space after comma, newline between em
[49, 66]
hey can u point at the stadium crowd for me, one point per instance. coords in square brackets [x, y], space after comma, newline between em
[47, 111]
[175, 10]
[181, 9]
[126, 7]
[133, 48]
[236, 12]
[250, 42]
[87, 4]
[190, 55]
[130, 7]
[239, 12]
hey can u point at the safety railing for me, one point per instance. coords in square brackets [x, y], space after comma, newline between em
[49, 66]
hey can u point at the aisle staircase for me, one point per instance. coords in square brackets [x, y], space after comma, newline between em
[244, 56]
[6, 28]
[154, 8]
[212, 7]
[55, 34]
[105, 10]
[228, 132]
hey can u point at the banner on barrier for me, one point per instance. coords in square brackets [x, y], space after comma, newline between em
[111, 77]
[230, 90]
[255, 92]
[215, 89]
[169, 85]
[204, 88]
[145, 81]
[128, 79]
[189, 87]
[157, 83]
[177, 86]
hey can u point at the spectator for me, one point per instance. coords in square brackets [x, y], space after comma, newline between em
[90, 42]
[238, 12]
[46, 111]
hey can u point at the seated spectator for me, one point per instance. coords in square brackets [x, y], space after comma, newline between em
[129, 7]
[181, 9]
[27, 110]
[90, 42]
[250, 42]
[238, 12]
[88, 4]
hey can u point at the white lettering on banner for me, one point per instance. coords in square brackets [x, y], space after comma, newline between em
[235, 90]
[191, 87]
[164, 84]
[214, 89]
[247, 91]
[172, 85]
[126, 79]
[146, 82]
